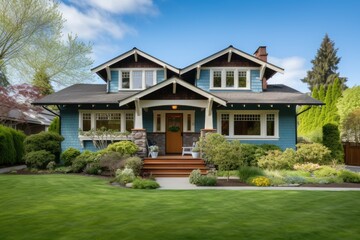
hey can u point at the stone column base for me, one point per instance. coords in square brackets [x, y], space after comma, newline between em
[139, 138]
[203, 132]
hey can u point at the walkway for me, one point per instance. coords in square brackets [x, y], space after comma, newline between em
[13, 168]
[182, 183]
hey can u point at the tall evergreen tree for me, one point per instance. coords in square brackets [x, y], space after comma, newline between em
[325, 66]
[42, 82]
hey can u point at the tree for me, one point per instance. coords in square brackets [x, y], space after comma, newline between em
[331, 140]
[351, 126]
[53, 61]
[325, 66]
[349, 101]
[20, 21]
[18, 98]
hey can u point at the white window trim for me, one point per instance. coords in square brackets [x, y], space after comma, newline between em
[93, 118]
[236, 76]
[163, 119]
[131, 70]
[263, 121]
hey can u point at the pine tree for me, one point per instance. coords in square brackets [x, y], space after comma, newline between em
[324, 70]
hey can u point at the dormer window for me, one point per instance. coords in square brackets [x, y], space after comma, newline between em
[230, 79]
[137, 79]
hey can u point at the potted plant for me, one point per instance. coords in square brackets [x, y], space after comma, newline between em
[195, 152]
[154, 151]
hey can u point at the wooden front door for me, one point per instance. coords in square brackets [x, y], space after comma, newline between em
[174, 128]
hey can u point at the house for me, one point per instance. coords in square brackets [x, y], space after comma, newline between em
[226, 92]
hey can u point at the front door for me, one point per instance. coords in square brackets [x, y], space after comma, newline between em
[174, 128]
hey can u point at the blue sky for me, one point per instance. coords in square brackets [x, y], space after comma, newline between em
[181, 32]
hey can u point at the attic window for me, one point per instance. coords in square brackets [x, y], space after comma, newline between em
[137, 79]
[230, 79]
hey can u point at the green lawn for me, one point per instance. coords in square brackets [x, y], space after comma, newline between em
[79, 207]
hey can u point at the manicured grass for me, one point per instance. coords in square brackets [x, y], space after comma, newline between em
[80, 207]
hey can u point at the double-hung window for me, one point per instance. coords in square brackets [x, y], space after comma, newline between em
[249, 124]
[137, 79]
[230, 78]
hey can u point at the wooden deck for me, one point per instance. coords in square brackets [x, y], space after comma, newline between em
[173, 166]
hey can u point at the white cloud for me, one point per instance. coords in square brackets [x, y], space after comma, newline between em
[294, 71]
[124, 6]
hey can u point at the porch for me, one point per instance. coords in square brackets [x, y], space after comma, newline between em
[172, 166]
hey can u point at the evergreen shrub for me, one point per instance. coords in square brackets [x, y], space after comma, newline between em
[331, 140]
[135, 163]
[18, 138]
[69, 155]
[7, 148]
[140, 183]
[275, 159]
[313, 153]
[82, 160]
[123, 147]
[39, 159]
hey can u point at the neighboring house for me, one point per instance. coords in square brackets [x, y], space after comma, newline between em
[29, 121]
[226, 92]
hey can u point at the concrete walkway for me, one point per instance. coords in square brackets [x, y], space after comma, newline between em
[13, 168]
[182, 183]
[353, 168]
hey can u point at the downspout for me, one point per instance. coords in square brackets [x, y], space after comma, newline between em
[296, 121]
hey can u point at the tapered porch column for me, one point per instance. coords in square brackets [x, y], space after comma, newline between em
[209, 115]
[138, 115]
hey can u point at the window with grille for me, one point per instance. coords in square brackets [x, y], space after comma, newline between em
[247, 124]
[86, 121]
[234, 78]
[229, 78]
[270, 124]
[129, 121]
[125, 79]
[242, 79]
[225, 124]
[108, 121]
[217, 79]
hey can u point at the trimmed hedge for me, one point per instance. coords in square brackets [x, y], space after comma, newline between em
[11, 146]
[331, 140]
[49, 141]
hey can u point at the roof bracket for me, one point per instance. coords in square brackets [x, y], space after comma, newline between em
[135, 56]
[229, 56]
[174, 87]
[198, 72]
[262, 71]
[108, 73]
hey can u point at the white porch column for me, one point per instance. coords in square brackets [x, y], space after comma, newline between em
[138, 115]
[209, 115]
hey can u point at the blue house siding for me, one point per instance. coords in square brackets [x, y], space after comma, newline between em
[204, 81]
[255, 82]
[160, 76]
[114, 83]
[70, 128]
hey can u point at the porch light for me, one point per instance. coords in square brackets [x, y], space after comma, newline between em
[174, 107]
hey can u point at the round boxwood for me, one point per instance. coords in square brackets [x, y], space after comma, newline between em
[69, 155]
[39, 159]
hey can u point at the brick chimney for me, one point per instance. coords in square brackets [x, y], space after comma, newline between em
[261, 53]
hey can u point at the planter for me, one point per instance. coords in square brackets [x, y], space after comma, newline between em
[154, 154]
[195, 154]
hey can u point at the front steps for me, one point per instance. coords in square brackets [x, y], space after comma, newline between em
[173, 166]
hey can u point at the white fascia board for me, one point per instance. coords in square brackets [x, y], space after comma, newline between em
[138, 52]
[168, 82]
[233, 51]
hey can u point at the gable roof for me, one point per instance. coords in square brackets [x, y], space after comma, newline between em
[133, 52]
[173, 80]
[231, 49]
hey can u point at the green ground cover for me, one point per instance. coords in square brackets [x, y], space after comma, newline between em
[80, 207]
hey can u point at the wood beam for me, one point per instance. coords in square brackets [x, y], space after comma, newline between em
[174, 87]
[165, 72]
[108, 73]
[211, 101]
[262, 71]
[137, 106]
[229, 56]
[135, 56]
[198, 68]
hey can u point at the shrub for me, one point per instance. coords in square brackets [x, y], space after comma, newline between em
[207, 181]
[324, 180]
[308, 167]
[261, 181]
[18, 139]
[93, 168]
[39, 159]
[298, 173]
[348, 176]
[51, 165]
[48, 141]
[249, 154]
[111, 161]
[63, 169]
[123, 147]
[314, 153]
[125, 176]
[55, 125]
[275, 159]
[195, 175]
[331, 140]
[82, 160]
[277, 181]
[140, 183]
[295, 180]
[326, 171]
[69, 155]
[247, 172]
[135, 163]
[7, 148]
